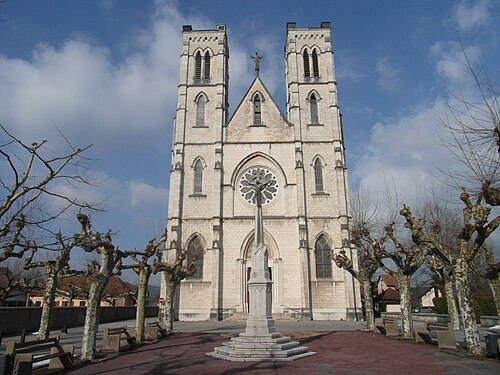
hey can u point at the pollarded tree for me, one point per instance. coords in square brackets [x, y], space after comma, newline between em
[364, 215]
[55, 269]
[475, 229]
[407, 260]
[444, 276]
[367, 266]
[176, 268]
[445, 224]
[490, 271]
[144, 269]
[29, 180]
[110, 264]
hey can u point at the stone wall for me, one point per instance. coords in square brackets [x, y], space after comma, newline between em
[15, 319]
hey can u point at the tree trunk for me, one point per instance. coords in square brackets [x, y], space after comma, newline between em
[170, 286]
[368, 297]
[48, 306]
[472, 340]
[92, 318]
[405, 301]
[142, 289]
[495, 289]
[451, 302]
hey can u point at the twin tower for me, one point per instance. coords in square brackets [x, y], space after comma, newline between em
[215, 154]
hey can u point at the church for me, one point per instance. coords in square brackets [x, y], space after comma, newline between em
[215, 157]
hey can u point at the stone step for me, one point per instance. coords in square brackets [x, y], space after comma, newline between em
[260, 353]
[257, 346]
[274, 338]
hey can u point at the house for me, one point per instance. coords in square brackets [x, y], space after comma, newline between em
[388, 298]
[424, 296]
[73, 291]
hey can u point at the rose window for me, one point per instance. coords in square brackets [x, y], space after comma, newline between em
[264, 176]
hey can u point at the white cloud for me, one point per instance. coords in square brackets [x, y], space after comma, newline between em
[388, 75]
[145, 196]
[405, 150]
[88, 94]
[451, 64]
[347, 66]
[468, 15]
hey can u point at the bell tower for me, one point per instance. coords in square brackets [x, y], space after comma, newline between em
[322, 187]
[194, 210]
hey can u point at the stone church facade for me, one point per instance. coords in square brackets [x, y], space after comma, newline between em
[305, 207]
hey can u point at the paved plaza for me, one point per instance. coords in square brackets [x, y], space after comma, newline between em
[342, 348]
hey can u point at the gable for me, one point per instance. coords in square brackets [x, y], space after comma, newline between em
[273, 127]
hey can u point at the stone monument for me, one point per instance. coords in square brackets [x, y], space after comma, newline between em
[260, 341]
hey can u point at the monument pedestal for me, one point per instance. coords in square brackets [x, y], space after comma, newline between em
[260, 341]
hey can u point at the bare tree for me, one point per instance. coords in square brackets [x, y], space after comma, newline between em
[444, 276]
[144, 270]
[15, 281]
[55, 269]
[407, 259]
[367, 266]
[363, 218]
[29, 180]
[110, 264]
[445, 224]
[475, 229]
[490, 271]
[175, 270]
[473, 129]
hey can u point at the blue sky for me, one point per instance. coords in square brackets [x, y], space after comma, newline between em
[106, 72]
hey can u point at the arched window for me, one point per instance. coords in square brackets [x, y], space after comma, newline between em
[313, 105]
[197, 65]
[322, 251]
[307, 70]
[315, 63]
[198, 176]
[257, 114]
[206, 73]
[195, 254]
[200, 110]
[318, 175]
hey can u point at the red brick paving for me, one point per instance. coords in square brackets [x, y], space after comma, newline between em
[338, 353]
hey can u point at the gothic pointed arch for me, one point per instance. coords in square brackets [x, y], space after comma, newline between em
[197, 65]
[206, 65]
[322, 260]
[313, 99]
[251, 159]
[257, 108]
[198, 166]
[315, 62]
[269, 241]
[319, 166]
[307, 69]
[201, 102]
[195, 251]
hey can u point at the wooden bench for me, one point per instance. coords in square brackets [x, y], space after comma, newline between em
[154, 331]
[441, 334]
[388, 326]
[39, 353]
[117, 339]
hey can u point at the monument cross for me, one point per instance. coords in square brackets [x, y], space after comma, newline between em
[260, 341]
